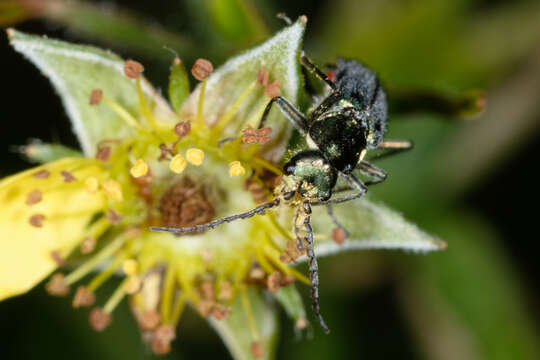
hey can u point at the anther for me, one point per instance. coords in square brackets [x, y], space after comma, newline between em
[161, 344]
[83, 297]
[256, 349]
[272, 90]
[225, 291]
[220, 311]
[249, 135]
[273, 281]
[207, 290]
[41, 174]
[177, 164]
[133, 284]
[149, 320]
[33, 197]
[204, 307]
[57, 258]
[103, 153]
[236, 169]
[287, 280]
[202, 69]
[91, 184]
[113, 190]
[88, 245]
[339, 236]
[263, 135]
[301, 324]
[68, 177]
[57, 285]
[129, 267]
[262, 77]
[133, 69]
[36, 220]
[182, 129]
[140, 168]
[195, 156]
[113, 216]
[99, 319]
[96, 96]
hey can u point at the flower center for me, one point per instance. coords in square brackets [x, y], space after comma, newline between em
[185, 204]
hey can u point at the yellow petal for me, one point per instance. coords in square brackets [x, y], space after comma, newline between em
[33, 228]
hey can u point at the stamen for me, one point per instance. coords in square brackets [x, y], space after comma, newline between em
[133, 69]
[41, 174]
[91, 184]
[149, 320]
[113, 190]
[88, 245]
[262, 77]
[161, 344]
[83, 297]
[249, 313]
[57, 285]
[182, 129]
[272, 90]
[103, 153]
[33, 197]
[178, 309]
[234, 108]
[144, 107]
[129, 267]
[202, 69]
[339, 236]
[168, 290]
[36, 220]
[123, 113]
[96, 96]
[68, 177]
[256, 349]
[139, 169]
[195, 156]
[133, 284]
[177, 164]
[113, 216]
[273, 282]
[94, 261]
[116, 297]
[236, 169]
[225, 291]
[99, 319]
[220, 311]
[106, 274]
[55, 255]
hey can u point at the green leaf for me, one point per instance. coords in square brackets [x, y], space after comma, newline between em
[42, 153]
[235, 329]
[178, 84]
[371, 226]
[289, 298]
[75, 71]
[279, 56]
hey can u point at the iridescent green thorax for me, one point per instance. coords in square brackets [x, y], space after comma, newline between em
[312, 174]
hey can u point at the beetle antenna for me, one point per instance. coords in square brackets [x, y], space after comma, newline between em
[259, 210]
[313, 268]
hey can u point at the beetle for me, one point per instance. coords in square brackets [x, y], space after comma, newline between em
[350, 120]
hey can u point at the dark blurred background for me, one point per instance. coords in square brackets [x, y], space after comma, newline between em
[471, 182]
